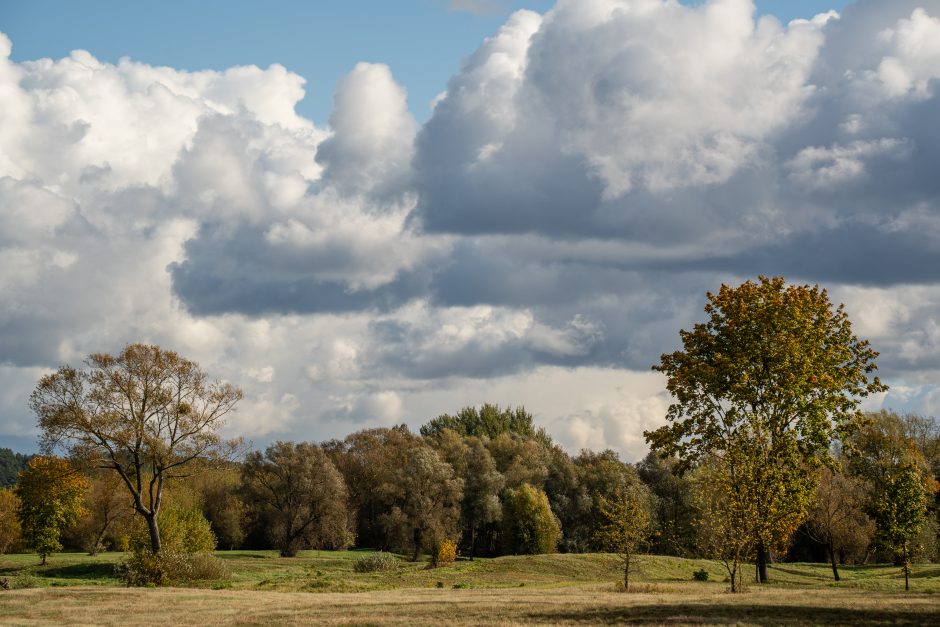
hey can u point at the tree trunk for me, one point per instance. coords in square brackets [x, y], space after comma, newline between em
[832, 558]
[473, 541]
[626, 573]
[907, 569]
[762, 576]
[154, 529]
[417, 541]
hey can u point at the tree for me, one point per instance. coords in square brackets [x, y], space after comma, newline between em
[885, 454]
[673, 507]
[482, 484]
[50, 493]
[837, 517]
[488, 421]
[425, 497]
[727, 511]
[899, 509]
[626, 524]
[520, 460]
[11, 464]
[301, 496]
[368, 460]
[147, 414]
[222, 503]
[106, 506]
[529, 525]
[777, 369]
[9, 520]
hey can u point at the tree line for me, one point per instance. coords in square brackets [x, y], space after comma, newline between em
[765, 453]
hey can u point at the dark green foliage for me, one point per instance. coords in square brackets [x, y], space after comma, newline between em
[299, 495]
[367, 459]
[11, 464]
[672, 508]
[489, 421]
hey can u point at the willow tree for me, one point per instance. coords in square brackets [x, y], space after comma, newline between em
[777, 369]
[148, 414]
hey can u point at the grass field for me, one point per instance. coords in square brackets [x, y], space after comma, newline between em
[263, 588]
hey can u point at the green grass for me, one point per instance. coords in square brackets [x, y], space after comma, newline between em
[332, 571]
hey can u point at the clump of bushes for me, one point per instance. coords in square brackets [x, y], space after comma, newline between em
[18, 582]
[377, 562]
[700, 575]
[185, 556]
[168, 567]
[445, 552]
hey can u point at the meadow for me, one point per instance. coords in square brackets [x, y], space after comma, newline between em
[321, 587]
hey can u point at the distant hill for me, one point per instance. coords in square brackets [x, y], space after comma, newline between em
[10, 466]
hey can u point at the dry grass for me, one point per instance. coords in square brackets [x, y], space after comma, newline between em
[264, 589]
[673, 604]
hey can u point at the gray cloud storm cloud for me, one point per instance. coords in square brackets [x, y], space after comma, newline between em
[586, 176]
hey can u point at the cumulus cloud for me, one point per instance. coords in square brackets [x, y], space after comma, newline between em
[584, 178]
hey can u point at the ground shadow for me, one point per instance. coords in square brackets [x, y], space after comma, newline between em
[91, 570]
[731, 614]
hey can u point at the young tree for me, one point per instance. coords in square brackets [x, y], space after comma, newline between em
[837, 517]
[889, 458]
[147, 414]
[778, 366]
[9, 519]
[50, 493]
[425, 497]
[899, 509]
[727, 524]
[301, 495]
[626, 524]
[106, 506]
[529, 525]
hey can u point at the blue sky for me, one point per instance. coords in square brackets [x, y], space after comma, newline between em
[540, 238]
[422, 41]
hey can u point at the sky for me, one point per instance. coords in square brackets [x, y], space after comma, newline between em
[369, 213]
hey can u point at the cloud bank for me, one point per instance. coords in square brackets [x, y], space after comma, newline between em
[586, 176]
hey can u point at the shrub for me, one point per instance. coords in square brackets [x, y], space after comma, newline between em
[376, 562]
[168, 567]
[182, 530]
[700, 575]
[445, 552]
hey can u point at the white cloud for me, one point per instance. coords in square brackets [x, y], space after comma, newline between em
[818, 167]
[585, 177]
[914, 56]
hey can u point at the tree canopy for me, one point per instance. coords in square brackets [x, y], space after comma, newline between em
[51, 494]
[146, 413]
[776, 370]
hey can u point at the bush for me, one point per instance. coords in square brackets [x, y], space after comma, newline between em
[700, 575]
[168, 567]
[445, 552]
[182, 530]
[376, 563]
